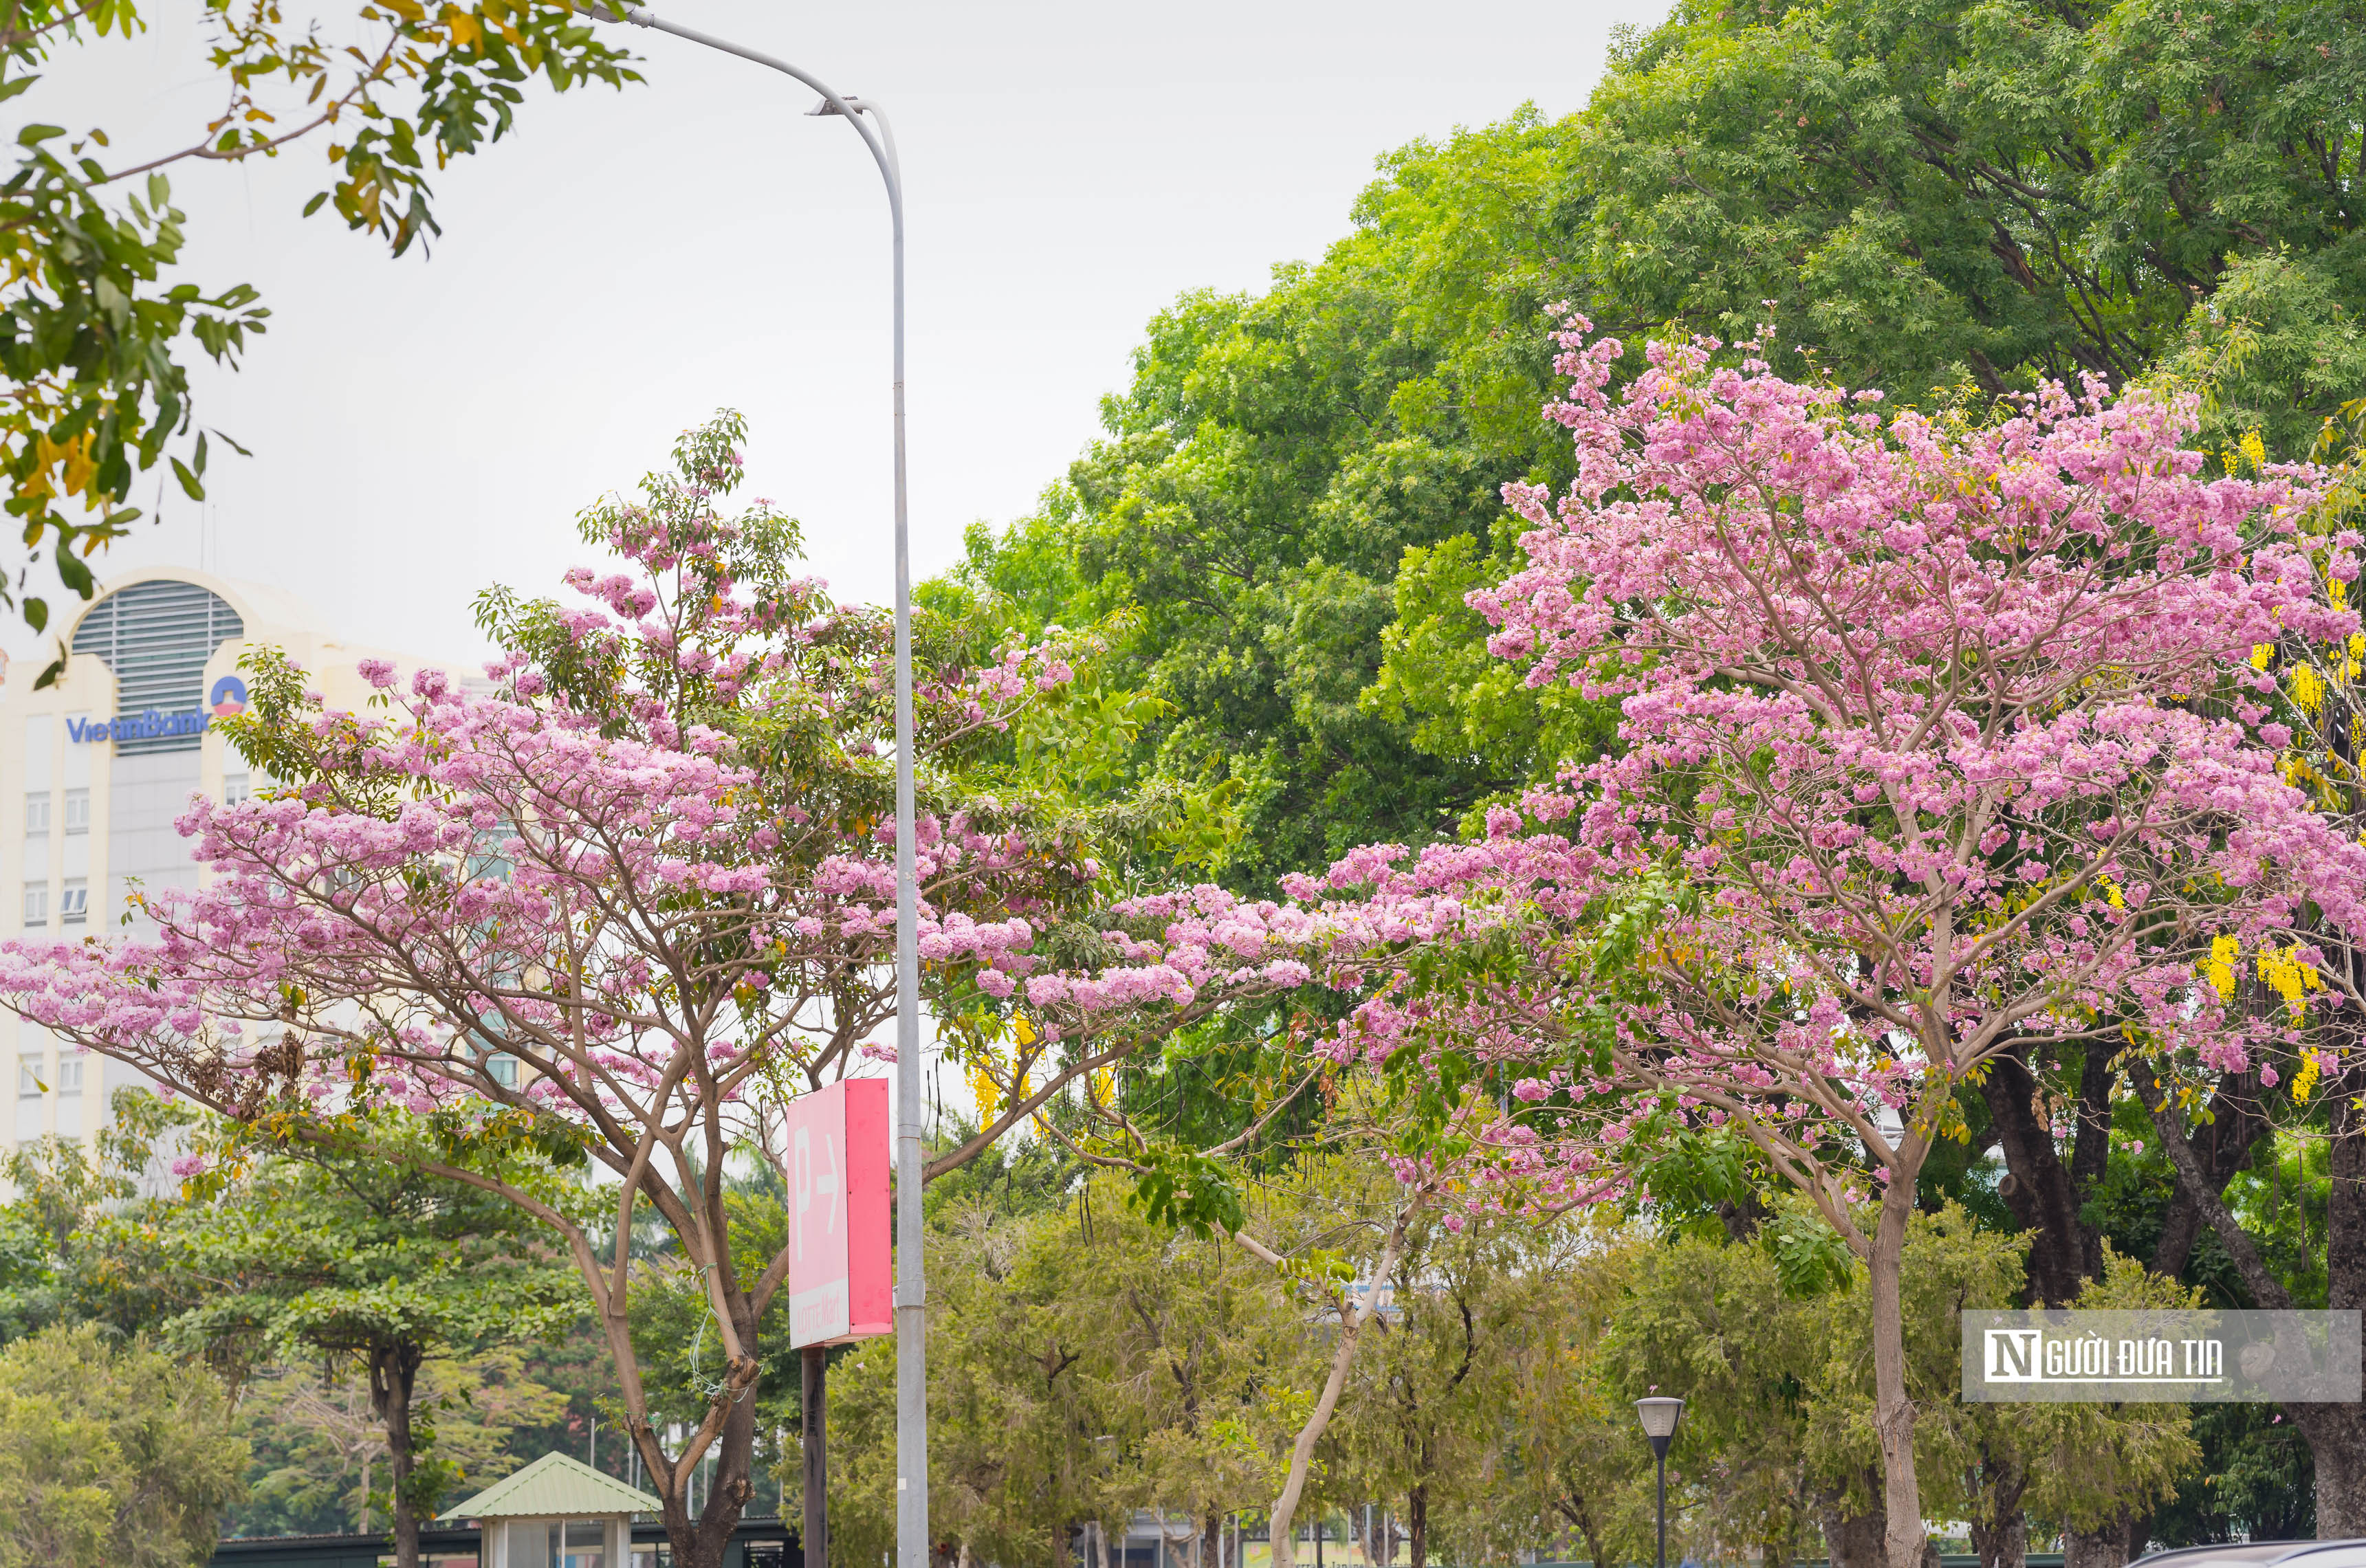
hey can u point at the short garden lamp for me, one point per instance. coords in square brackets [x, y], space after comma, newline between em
[1660, 1416]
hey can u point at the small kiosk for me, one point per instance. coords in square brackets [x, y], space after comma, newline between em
[556, 1513]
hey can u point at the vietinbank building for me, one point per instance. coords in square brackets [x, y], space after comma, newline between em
[95, 766]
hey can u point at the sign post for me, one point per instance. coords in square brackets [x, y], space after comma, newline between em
[838, 1284]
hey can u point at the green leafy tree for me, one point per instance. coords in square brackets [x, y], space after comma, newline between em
[1295, 487]
[66, 1197]
[319, 1444]
[1481, 1417]
[1238, 532]
[1922, 192]
[112, 1456]
[324, 1255]
[95, 326]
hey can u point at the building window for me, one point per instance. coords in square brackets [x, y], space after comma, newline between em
[70, 1075]
[36, 904]
[37, 813]
[501, 1069]
[237, 787]
[73, 900]
[77, 811]
[29, 1080]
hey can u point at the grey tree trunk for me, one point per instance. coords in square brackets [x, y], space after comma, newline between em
[1893, 1411]
[1853, 1540]
[393, 1374]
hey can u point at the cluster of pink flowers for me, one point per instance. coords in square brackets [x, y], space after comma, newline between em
[610, 888]
[1933, 742]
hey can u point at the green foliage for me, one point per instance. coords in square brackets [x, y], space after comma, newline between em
[303, 1255]
[1182, 1191]
[2256, 1481]
[318, 1464]
[1935, 197]
[1239, 532]
[2275, 352]
[1920, 193]
[2090, 1465]
[96, 328]
[1083, 1363]
[112, 1456]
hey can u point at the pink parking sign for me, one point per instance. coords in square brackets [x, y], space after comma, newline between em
[839, 1286]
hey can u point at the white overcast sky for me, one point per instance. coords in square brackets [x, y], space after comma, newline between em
[623, 264]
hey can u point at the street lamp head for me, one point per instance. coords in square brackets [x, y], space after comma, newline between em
[1660, 1416]
[616, 11]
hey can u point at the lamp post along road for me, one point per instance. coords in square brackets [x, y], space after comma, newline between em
[1660, 1416]
[911, 1324]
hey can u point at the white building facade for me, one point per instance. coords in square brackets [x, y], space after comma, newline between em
[95, 767]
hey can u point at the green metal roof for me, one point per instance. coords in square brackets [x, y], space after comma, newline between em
[554, 1486]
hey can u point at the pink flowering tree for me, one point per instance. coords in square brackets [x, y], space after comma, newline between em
[621, 900]
[1938, 741]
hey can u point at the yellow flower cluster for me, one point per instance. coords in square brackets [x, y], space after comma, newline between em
[2286, 975]
[2307, 687]
[2249, 450]
[986, 1081]
[2304, 1081]
[2224, 951]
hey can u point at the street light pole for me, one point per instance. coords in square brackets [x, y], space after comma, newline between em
[1660, 1416]
[911, 1322]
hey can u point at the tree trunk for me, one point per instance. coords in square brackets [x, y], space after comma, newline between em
[1851, 1541]
[2222, 1143]
[2002, 1545]
[2111, 1545]
[1302, 1453]
[2044, 1193]
[1893, 1411]
[702, 1541]
[2336, 1433]
[393, 1371]
[2002, 1539]
[1417, 1525]
[1573, 1507]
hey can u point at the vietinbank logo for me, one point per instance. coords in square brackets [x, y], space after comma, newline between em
[137, 727]
[228, 697]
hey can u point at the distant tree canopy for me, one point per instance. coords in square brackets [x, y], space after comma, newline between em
[1934, 197]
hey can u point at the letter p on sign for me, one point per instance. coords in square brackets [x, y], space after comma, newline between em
[839, 1276]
